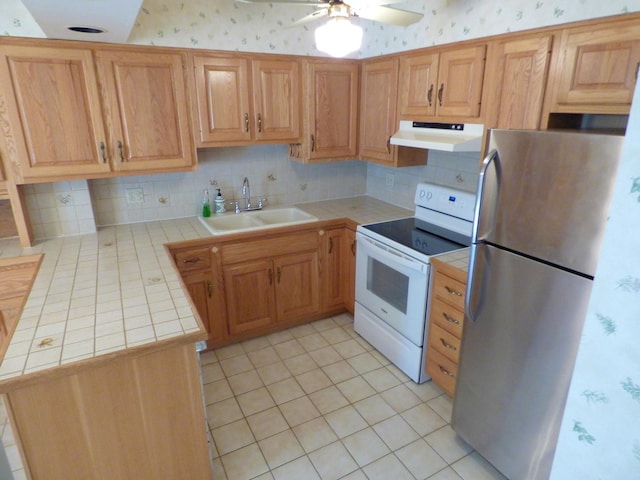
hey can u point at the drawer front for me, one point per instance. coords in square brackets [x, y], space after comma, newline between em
[270, 247]
[446, 316]
[444, 342]
[443, 371]
[449, 290]
[195, 259]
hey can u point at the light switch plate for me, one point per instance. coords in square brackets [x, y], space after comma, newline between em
[134, 195]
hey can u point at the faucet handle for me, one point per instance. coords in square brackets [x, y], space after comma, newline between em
[262, 202]
[236, 207]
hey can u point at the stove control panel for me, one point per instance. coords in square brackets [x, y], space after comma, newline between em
[451, 201]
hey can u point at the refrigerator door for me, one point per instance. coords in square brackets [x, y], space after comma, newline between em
[518, 351]
[547, 195]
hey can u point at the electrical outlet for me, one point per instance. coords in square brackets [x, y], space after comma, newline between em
[134, 195]
[389, 180]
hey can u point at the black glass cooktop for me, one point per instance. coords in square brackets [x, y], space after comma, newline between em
[421, 236]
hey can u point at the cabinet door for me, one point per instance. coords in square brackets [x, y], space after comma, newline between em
[297, 286]
[200, 287]
[378, 110]
[520, 75]
[460, 78]
[333, 110]
[418, 80]
[148, 110]
[52, 112]
[276, 93]
[350, 280]
[222, 90]
[250, 295]
[334, 268]
[599, 66]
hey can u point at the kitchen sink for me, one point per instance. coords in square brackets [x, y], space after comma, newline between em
[255, 220]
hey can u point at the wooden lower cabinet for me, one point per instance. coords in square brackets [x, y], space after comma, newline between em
[334, 268]
[202, 287]
[446, 319]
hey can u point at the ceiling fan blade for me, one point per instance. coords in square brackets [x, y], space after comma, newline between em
[362, 4]
[389, 15]
[323, 12]
[303, 3]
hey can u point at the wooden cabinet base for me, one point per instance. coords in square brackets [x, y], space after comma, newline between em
[136, 416]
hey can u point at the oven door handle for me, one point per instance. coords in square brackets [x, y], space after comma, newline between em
[380, 251]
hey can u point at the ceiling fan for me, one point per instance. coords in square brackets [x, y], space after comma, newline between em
[339, 36]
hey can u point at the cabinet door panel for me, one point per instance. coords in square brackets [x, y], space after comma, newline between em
[250, 295]
[335, 268]
[297, 286]
[58, 107]
[148, 110]
[276, 86]
[460, 77]
[222, 89]
[418, 79]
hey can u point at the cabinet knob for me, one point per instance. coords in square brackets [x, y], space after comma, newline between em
[215, 249]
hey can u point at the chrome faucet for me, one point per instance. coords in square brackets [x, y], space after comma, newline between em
[246, 193]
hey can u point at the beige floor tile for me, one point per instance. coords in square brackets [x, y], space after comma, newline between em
[302, 330]
[374, 409]
[313, 342]
[267, 423]
[229, 351]
[425, 391]
[299, 469]
[216, 391]
[235, 365]
[218, 470]
[395, 432]
[273, 373]
[448, 445]
[365, 446]
[245, 382]
[285, 390]
[328, 399]
[355, 389]
[443, 406]
[245, 463]
[335, 335]
[381, 358]
[333, 461]
[475, 467]
[446, 474]
[423, 420]
[314, 434]
[420, 459]
[279, 337]
[387, 468]
[349, 349]
[300, 364]
[211, 372]
[255, 344]
[364, 363]
[288, 349]
[325, 356]
[313, 380]
[209, 357]
[264, 476]
[221, 413]
[324, 324]
[339, 371]
[357, 475]
[400, 375]
[264, 356]
[299, 411]
[255, 401]
[381, 379]
[232, 436]
[281, 448]
[400, 398]
[343, 319]
[363, 343]
[345, 421]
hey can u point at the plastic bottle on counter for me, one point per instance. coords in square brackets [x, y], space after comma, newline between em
[206, 204]
[219, 201]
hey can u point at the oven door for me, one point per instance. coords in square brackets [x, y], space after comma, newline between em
[393, 286]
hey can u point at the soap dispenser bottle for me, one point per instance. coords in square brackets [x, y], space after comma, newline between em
[206, 205]
[219, 203]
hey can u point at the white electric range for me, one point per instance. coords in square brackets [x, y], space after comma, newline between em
[393, 272]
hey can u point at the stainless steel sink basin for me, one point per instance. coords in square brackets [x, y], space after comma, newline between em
[256, 220]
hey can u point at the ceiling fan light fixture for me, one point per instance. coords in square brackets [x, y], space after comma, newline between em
[338, 37]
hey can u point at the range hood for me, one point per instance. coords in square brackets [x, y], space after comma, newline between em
[447, 137]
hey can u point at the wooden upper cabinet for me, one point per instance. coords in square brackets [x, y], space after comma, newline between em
[447, 83]
[145, 94]
[517, 78]
[53, 116]
[597, 68]
[331, 108]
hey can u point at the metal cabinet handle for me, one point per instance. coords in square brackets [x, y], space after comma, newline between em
[430, 95]
[120, 150]
[330, 245]
[259, 123]
[389, 145]
[209, 288]
[353, 248]
[103, 152]
[278, 274]
[246, 122]
[450, 319]
[192, 260]
[447, 345]
[440, 92]
[313, 142]
[451, 291]
[445, 371]
[270, 273]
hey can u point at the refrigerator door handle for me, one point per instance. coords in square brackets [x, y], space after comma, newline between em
[482, 178]
[475, 286]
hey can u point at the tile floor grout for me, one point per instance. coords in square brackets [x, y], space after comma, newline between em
[319, 402]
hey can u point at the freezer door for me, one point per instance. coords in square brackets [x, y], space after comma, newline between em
[519, 345]
[547, 194]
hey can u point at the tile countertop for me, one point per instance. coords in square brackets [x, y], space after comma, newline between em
[117, 288]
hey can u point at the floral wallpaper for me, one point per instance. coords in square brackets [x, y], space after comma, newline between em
[600, 434]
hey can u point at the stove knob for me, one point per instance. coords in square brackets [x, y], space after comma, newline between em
[421, 194]
[429, 195]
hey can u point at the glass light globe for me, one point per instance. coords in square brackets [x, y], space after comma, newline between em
[338, 37]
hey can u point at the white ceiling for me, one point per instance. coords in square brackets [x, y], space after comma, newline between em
[115, 17]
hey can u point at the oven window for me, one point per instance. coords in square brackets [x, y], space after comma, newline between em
[388, 284]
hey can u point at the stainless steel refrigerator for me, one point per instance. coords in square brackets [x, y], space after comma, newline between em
[542, 205]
